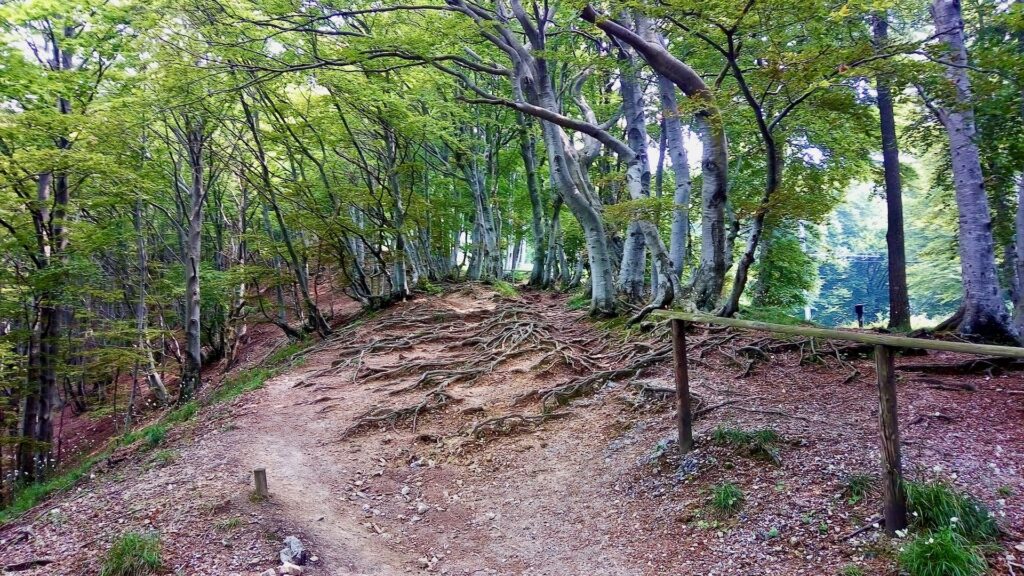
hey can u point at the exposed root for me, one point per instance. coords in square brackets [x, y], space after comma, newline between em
[433, 400]
[504, 425]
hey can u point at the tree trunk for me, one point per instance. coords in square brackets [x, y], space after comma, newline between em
[528, 151]
[680, 173]
[191, 380]
[710, 275]
[153, 380]
[983, 312]
[899, 299]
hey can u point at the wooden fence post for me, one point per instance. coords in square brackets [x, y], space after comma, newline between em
[895, 499]
[259, 476]
[684, 418]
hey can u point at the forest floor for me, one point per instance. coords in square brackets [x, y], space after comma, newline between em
[384, 455]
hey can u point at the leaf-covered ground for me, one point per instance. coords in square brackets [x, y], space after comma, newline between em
[421, 439]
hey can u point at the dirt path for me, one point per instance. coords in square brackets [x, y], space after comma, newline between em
[374, 485]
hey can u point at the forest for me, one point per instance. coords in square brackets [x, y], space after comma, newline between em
[241, 234]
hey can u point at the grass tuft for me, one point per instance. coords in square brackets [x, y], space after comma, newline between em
[726, 498]
[936, 506]
[578, 302]
[942, 553]
[858, 486]
[133, 554]
[851, 570]
[182, 413]
[763, 443]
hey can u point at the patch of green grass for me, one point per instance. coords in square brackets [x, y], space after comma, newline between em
[182, 413]
[133, 554]
[726, 498]
[936, 506]
[505, 289]
[429, 287]
[578, 302]
[851, 570]
[155, 434]
[858, 486]
[239, 384]
[1004, 491]
[284, 353]
[99, 412]
[943, 552]
[228, 524]
[762, 443]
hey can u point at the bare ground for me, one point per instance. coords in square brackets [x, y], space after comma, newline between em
[375, 486]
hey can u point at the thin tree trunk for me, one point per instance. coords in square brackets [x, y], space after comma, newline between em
[899, 299]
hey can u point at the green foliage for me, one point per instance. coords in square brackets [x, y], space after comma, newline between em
[133, 554]
[505, 289]
[936, 506]
[761, 443]
[578, 302]
[784, 274]
[182, 413]
[726, 498]
[858, 486]
[155, 435]
[228, 524]
[944, 552]
[239, 384]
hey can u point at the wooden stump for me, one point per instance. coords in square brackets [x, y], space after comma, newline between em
[684, 416]
[895, 499]
[259, 476]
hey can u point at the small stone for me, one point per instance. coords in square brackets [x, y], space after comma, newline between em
[289, 568]
[405, 490]
[421, 507]
[268, 572]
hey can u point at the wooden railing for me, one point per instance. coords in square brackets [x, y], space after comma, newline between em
[895, 503]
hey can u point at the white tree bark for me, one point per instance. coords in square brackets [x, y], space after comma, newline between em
[983, 312]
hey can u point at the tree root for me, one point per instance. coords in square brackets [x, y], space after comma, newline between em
[433, 400]
[504, 425]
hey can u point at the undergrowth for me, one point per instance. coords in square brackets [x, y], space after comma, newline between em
[858, 486]
[942, 553]
[762, 443]
[936, 506]
[505, 289]
[133, 554]
[27, 496]
[952, 531]
[726, 498]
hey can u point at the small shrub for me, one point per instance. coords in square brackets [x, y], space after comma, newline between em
[935, 506]
[858, 486]
[133, 554]
[726, 498]
[942, 553]
[761, 443]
